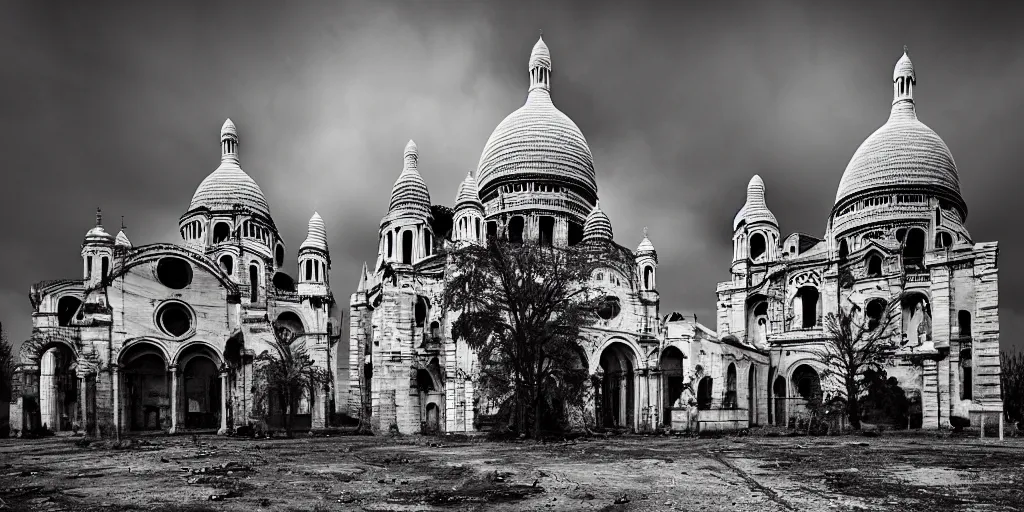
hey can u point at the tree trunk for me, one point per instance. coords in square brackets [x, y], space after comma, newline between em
[536, 413]
[853, 406]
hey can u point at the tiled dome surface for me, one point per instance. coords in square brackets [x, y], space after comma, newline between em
[645, 247]
[755, 209]
[598, 226]
[122, 240]
[316, 234]
[227, 186]
[469, 193]
[98, 235]
[537, 141]
[902, 152]
[410, 194]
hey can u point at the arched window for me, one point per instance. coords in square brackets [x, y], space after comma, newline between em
[913, 250]
[807, 382]
[105, 268]
[648, 277]
[844, 250]
[407, 247]
[279, 256]
[435, 329]
[309, 270]
[426, 243]
[387, 244]
[477, 228]
[874, 311]
[316, 271]
[67, 306]
[227, 263]
[809, 306]
[515, 229]
[758, 246]
[547, 231]
[874, 266]
[420, 312]
[221, 232]
[254, 283]
[730, 388]
[943, 240]
[704, 393]
[963, 320]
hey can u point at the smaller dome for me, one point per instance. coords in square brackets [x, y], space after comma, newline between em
[598, 227]
[755, 209]
[98, 235]
[122, 240]
[904, 67]
[645, 247]
[409, 196]
[316, 237]
[469, 193]
[540, 56]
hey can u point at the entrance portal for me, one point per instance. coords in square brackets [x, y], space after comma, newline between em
[616, 401]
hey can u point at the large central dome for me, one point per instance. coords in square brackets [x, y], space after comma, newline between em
[903, 153]
[229, 185]
[538, 142]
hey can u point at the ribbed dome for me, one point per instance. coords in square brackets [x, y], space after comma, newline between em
[316, 237]
[540, 56]
[409, 196]
[538, 141]
[98, 235]
[904, 152]
[598, 226]
[229, 185]
[645, 247]
[755, 209]
[122, 240]
[469, 193]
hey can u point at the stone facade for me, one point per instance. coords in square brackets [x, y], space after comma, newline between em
[164, 336]
[535, 182]
[897, 232]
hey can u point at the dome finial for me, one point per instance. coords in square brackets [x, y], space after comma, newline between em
[228, 142]
[540, 66]
[645, 231]
[99, 217]
[904, 80]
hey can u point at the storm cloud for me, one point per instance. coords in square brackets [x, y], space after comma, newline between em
[119, 106]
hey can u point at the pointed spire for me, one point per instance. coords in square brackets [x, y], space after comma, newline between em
[409, 194]
[755, 209]
[363, 279]
[316, 234]
[228, 142]
[540, 66]
[469, 193]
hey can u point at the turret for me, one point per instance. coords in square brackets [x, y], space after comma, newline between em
[97, 254]
[598, 227]
[314, 259]
[468, 221]
[405, 233]
[755, 231]
[647, 264]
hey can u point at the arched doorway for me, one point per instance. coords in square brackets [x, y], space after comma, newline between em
[705, 388]
[433, 418]
[616, 394]
[202, 402]
[58, 390]
[807, 385]
[146, 390]
[673, 378]
[779, 396]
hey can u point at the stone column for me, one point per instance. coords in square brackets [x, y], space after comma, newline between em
[83, 405]
[223, 403]
[116, 378]
[174, 399]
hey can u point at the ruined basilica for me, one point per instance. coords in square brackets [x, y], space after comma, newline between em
[164, 336]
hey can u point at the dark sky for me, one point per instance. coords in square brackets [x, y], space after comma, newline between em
[119, 105]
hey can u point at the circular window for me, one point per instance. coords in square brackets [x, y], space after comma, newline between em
[174, 273]
[174, 319]
[609, 308]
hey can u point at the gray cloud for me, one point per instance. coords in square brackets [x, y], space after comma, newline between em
[119, 106]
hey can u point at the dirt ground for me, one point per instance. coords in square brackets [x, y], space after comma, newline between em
[635, 473]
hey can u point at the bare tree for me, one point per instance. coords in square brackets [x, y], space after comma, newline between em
[856, 344]
[521, 307]
[288, 374]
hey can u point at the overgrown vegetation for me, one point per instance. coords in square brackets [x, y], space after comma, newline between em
[1012, 376]
[856, 351]
[282, 378]
[6, 375]
[521, 307]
